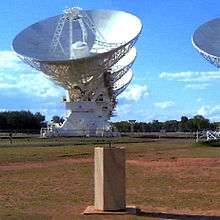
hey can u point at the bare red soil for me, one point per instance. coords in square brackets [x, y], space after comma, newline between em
[174, 165]
[179, 162]
[32, 165]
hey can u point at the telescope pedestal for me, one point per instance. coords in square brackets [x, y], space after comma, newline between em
[110, 183]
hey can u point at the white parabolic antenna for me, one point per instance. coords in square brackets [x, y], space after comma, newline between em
[206, 39]
[89, 53]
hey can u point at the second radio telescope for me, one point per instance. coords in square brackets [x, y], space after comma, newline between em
[89, 53]
[206, 39]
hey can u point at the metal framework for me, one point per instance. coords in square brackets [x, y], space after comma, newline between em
[213, 135]
[208, 135]
[206, 41]
[214, 60]
[65, 73]
[93, 82]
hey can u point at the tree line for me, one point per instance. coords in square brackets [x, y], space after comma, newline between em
[197, 123]
[26, 120]
[21, 120]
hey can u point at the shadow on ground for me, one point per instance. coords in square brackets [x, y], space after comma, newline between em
[178, 216]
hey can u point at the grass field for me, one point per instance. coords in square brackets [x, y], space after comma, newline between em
[53, 179]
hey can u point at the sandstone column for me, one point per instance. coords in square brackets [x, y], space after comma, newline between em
[110, 179]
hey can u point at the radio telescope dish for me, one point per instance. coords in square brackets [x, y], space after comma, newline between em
[206, 39]
[89, 53]
[100, 30]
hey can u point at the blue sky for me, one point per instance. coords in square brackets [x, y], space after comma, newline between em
[170, 78]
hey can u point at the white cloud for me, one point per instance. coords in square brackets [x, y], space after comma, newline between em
[203, 110]
[178, 75]
[199, 99]
[123, 109]
[18, 77]
[164, 105]
[135, 92]
[211, 112]
[199, 86]
[6, 86]
[194, 80]
[191, 76]
[8, 60]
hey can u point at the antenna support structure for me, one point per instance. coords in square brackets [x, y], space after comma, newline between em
[89, 53]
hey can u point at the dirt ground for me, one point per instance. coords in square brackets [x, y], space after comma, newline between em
[170, 185]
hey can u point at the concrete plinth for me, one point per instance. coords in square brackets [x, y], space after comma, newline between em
[110, 183]
[110, 179]
[130, 210]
